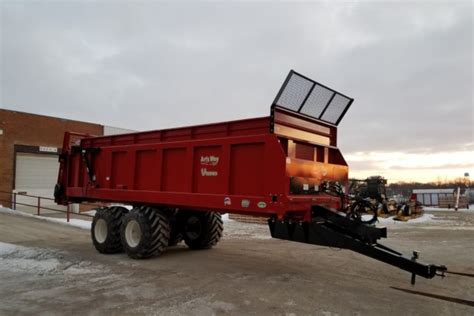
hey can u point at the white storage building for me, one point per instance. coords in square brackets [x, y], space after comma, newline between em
[431, 197]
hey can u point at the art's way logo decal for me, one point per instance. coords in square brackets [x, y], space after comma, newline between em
[208, 173]
[209, 160]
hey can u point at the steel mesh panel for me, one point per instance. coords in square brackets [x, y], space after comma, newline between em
[335, 110]
[295, 92]
[306, 96]
[317, 101]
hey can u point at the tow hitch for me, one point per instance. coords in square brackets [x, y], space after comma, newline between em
[329, 228]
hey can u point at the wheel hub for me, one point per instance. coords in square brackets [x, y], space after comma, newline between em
[100, 230]
[193, 228]
[133, 233]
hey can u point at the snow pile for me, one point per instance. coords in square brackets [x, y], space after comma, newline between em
[20, 259]
[80, 223]
[15, 258]
[91, 212]
[6, 249]
[425, 218]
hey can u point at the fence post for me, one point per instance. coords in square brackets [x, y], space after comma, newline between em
[67, 213]
[14, 201]
[39, 201]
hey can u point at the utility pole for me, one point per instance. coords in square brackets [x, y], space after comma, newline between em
[467, 182]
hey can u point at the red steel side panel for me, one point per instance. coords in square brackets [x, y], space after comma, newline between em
[239, 174]
[174, 165]
[145, 178]
[261, 166]
[247, 169]
[254, 126]
[208, 164]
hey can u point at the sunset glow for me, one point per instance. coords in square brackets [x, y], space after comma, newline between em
[420, 167]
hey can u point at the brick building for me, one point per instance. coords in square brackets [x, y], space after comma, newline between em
[29, 149]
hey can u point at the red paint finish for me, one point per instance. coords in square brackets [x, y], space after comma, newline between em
[253, 166]
[173, 175]
[247, 169]
[208, 170]
[145, 177]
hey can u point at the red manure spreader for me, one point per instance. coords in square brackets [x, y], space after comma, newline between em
[285, 167]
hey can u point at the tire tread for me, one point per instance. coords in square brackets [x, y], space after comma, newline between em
[155, 232]
[212, 233]
[113, 217]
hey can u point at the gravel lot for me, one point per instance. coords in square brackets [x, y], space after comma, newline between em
[47, 268]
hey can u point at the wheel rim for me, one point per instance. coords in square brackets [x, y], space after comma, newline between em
[100, 230]
[133, 233]
[193, 228]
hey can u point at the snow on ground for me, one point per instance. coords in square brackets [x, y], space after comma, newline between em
[235, 229]
[80, 223]
[15, 258]
[18, 258]
[425, 221]
[84, 224]
[425, 218]
[6, 249]
[232, 228]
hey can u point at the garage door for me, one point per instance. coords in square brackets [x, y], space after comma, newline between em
[36, 174]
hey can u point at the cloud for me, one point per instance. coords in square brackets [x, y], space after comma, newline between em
[150, 65]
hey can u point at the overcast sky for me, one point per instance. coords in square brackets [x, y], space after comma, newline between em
[152, 65]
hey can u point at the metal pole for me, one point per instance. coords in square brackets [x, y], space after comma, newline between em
[14, 201]
[457, 199]
[39, 201]
[67, 213]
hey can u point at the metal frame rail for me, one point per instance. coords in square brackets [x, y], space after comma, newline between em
[331, 229]
[13, 201]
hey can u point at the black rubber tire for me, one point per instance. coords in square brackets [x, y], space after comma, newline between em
[175, 238]
[113, 218]
[176, 235]
[209, 229]
[359, 208]
[155, 232]
[406, 210]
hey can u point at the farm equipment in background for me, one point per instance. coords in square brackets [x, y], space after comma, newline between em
[374, 190]
[285, 167]
[410, 209]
